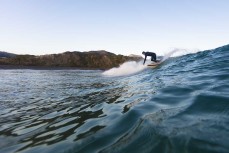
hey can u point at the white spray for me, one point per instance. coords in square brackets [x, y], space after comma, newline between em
[169, 54]
[126, 69]
[181, 51]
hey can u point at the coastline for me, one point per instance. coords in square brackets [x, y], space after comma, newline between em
[11, 67]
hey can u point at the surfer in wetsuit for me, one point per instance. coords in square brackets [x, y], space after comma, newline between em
[153, 56]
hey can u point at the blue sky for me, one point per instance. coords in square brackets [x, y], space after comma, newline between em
[119, 26]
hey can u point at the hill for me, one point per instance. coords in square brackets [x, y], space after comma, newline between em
[6, 55]
[84, 60]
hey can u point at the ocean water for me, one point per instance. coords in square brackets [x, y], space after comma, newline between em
[181, 106]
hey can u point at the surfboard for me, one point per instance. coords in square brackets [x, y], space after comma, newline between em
[153, 65]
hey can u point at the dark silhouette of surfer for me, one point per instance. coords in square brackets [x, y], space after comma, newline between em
[153, 56]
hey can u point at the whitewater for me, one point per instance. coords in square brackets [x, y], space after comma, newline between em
[180, 106]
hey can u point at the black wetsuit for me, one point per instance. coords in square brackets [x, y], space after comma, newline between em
[153, 56]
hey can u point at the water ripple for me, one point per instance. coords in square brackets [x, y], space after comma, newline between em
[181, 106]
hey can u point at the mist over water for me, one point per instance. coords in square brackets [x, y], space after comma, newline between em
[180, 106]
[166, 56]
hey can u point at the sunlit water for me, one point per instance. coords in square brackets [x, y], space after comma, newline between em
[180, 106]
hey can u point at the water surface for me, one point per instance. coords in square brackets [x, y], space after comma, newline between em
[181, 106]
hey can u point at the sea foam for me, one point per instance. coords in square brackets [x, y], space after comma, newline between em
[126, 68]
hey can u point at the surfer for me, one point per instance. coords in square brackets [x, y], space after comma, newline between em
[153, 56]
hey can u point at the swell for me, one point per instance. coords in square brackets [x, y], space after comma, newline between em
[189, 110]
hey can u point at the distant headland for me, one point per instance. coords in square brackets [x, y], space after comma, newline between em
[82, 60]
